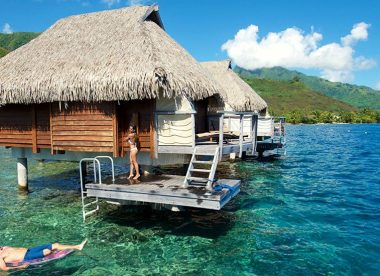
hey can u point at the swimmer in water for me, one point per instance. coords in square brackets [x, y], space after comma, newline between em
[20, 254]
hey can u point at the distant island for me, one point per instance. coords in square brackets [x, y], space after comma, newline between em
[301, 98]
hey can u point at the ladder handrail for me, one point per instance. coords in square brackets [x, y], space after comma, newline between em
[112, 164]
[94, 161]
[213, 168]
[185, 182]
[83, 196]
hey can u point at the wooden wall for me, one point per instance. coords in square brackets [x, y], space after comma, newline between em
[16, 126]
[25, 126]
[82, 127]
[42, 115]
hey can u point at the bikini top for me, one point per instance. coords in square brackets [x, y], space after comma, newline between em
[130, 142]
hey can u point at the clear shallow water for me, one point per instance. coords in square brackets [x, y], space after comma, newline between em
[316, 212]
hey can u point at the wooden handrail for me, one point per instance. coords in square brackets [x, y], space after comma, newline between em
[221, 131]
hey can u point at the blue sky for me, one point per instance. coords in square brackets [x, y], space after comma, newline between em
[306, 35]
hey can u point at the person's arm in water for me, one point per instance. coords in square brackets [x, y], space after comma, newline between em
[4, 267]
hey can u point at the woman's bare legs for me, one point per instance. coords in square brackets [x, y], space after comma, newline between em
[58, 246]
[130, 165]
[135, 164]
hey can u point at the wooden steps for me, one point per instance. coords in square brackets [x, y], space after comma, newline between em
[208, 179]
[202, 162]
[200, 170]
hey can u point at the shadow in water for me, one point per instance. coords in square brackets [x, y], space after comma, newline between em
[68, 180]
[46, 269]
[191, 222]
[265, 158]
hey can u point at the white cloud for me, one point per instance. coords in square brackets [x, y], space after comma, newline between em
[7, 29]
[358, 32]
[293, 48]
[137, 2]
[110, 3]
[362, 63]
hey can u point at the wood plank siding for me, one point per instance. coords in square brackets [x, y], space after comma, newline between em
[43, 126]
[82, 127]
[25, 126]
[95, 127]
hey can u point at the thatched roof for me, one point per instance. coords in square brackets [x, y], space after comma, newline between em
[122, 54]
[237, 93]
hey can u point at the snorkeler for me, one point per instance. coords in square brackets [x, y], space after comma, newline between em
[19, 254]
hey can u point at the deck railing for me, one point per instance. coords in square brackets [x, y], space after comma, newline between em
[270, 127]
[175, 131]
[279, 126]
[242, 116]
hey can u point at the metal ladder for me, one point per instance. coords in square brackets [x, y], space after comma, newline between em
[207, 182]
[97, 178]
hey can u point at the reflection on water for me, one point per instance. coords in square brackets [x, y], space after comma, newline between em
[314, 212]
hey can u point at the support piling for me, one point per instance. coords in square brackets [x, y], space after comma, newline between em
[22, 173]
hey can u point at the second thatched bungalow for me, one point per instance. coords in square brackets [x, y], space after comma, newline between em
[238, 96]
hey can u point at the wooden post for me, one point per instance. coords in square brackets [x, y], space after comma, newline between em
[52, 151]
[193, 127]
[241, 136]
[221, 129]
[22, 173]
[254, 133]
[34, 130]
[115, 131]
[152, 136]
[156, 142]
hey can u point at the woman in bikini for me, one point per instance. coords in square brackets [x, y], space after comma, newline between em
[133, 142]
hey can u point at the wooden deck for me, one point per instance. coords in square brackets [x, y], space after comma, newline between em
[164, 189]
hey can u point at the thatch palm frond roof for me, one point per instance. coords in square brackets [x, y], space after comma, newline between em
[237, 93]
[119, 54]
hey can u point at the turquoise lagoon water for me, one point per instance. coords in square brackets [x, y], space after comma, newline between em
[315, 212]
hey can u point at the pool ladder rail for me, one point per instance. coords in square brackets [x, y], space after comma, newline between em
[97, 179]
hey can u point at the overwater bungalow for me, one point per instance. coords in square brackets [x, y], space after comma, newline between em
[238, 96]
[71, 93]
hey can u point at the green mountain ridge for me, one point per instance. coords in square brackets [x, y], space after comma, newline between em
[3, 52]
[299, 104]
[287, 96]
[10, 42]
[355, 95]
